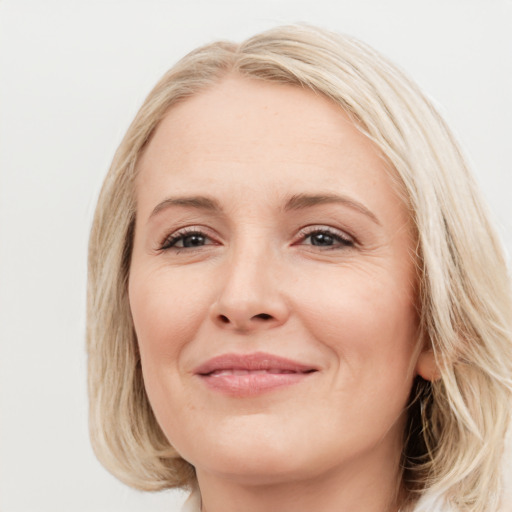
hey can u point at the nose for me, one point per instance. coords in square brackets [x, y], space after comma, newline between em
[250, 296]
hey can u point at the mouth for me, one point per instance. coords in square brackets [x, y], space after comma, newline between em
[252, 374]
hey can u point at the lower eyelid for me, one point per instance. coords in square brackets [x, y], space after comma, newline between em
[338, 243]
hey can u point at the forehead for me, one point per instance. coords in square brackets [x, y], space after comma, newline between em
[260, 114]
[243, 135]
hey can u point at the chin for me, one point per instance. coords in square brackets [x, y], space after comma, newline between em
[263, 469]
[260, 459]
[249, 454]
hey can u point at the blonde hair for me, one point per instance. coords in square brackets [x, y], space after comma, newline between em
[454, 440]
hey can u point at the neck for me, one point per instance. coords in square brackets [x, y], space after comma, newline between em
[355, 487]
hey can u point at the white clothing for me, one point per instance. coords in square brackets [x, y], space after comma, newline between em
[193, 503]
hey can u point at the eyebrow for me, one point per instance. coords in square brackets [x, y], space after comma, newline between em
[198, 202]
[301, 201]
[296, 202]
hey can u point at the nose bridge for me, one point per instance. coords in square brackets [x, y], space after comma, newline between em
[249, 295]
[248, 272]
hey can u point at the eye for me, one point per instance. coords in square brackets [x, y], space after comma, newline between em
[186, 239]
[325, 237]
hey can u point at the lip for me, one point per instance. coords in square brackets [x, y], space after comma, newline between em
[252, 374]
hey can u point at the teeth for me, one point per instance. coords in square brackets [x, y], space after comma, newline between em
[274, 371]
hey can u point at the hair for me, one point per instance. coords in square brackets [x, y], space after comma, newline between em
[456, 424]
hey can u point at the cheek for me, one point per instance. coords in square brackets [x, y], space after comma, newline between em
[167, 313]
[369, 330]
[167, 310]
[368, 320]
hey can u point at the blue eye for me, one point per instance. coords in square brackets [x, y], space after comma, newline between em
[327, 238]
[321, 239]
[186, 240]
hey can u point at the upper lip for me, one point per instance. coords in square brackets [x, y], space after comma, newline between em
[252, 362]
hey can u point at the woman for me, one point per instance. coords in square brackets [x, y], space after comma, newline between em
[296, 301]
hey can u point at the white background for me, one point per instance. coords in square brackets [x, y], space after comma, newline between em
[73, 74]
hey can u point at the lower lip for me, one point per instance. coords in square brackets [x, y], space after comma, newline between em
[252, 384]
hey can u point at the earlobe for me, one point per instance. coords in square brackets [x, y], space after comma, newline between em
[426, 366]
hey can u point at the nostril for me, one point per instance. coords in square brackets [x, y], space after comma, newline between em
[263, 316]
[244, 324]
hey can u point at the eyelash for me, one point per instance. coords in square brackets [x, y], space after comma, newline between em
[171, 240]
[340, 239]
[343, 240]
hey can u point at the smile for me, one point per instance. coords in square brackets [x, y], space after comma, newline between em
[274, 371]
[251, 374]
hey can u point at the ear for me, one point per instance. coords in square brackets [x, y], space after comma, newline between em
[426, 365]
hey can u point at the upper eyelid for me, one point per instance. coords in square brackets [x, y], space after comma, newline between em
[321, 227]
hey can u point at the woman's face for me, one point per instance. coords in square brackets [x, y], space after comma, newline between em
[272, 286]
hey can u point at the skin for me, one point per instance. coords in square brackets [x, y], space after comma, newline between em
[259, 282]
